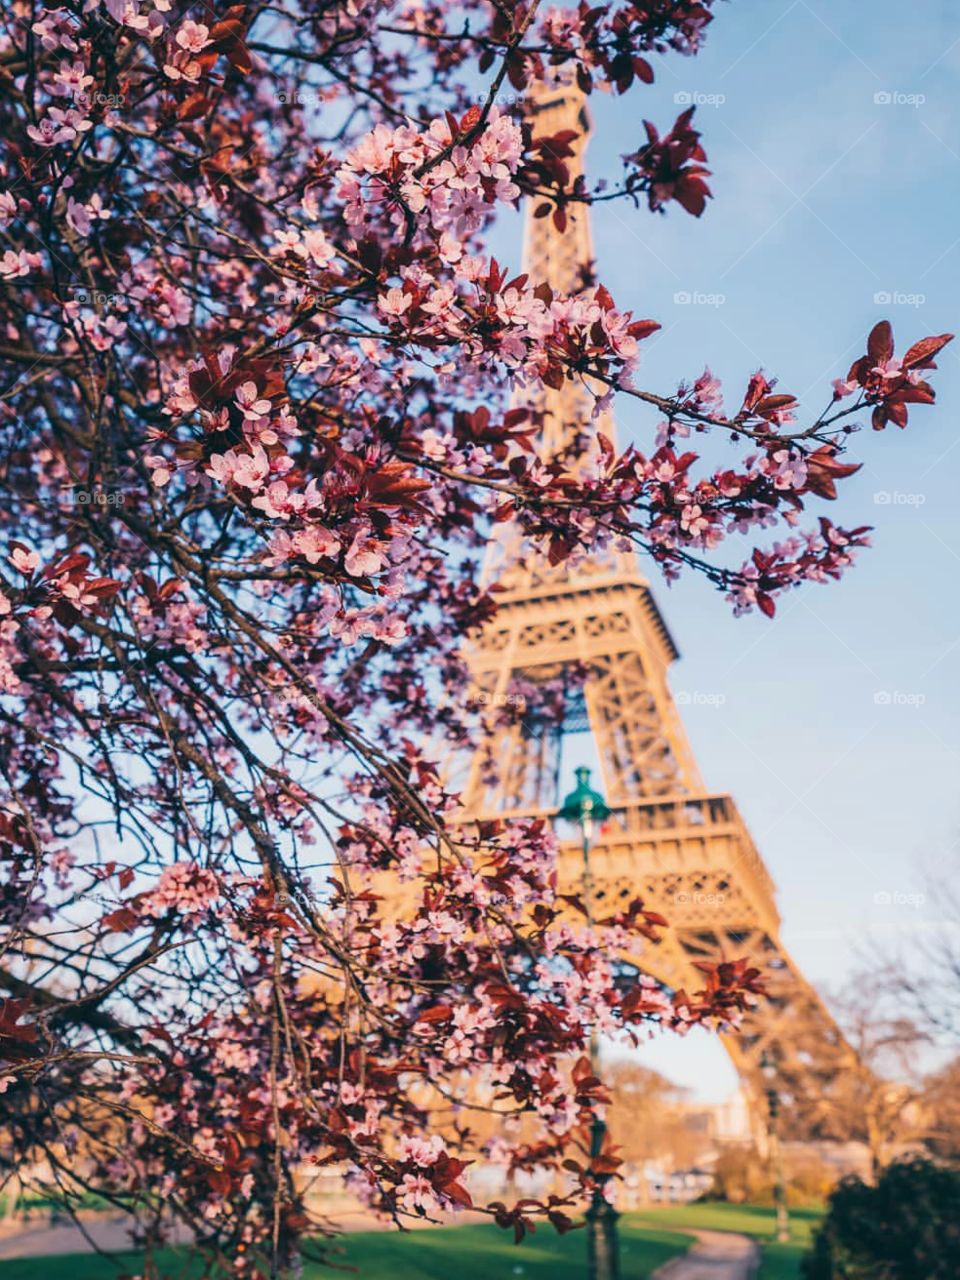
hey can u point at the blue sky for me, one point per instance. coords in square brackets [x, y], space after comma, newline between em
[832, 135]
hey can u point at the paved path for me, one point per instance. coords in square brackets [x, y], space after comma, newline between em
[111, 1234]
[717, 1255]
[38, 1238]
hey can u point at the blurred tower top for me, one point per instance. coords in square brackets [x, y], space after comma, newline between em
[563, 259]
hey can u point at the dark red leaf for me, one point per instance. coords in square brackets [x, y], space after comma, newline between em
[880, 343]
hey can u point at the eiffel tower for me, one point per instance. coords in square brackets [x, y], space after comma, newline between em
[684, 850]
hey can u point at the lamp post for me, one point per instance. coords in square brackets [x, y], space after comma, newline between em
[769, 1069]
[586, 808]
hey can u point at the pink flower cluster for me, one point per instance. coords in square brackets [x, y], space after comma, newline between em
[184, 888]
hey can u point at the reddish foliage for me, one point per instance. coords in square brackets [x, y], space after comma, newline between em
[268, 394]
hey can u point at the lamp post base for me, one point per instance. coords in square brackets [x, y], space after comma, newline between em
[783, 1228]
[603, 1253]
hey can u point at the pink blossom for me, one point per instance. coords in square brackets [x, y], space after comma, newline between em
[693, 521]
[843, 387]
[252, 469]
[786, 467]
[161, 471]
[78, 217]
[76, 593]
[14, 265]
[71, 80]
[280, 502]
[182, 66]
[316, 543]
[193, 36]
[184, 887]
[59, 126]
[25, 561]
[176, 307]
[416, 1192]
[319, 248]
[248, 399]
[395, 302]
[365, 557]
[420, 1150]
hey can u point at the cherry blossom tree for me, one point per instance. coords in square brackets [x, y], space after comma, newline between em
[259, 411]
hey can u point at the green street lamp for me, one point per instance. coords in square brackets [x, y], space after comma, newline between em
[768, 1069]
[586, 808]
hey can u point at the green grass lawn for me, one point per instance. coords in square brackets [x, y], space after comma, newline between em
[780, 1261]
[463, 1253]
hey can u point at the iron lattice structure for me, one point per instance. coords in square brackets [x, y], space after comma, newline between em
[685, 851]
